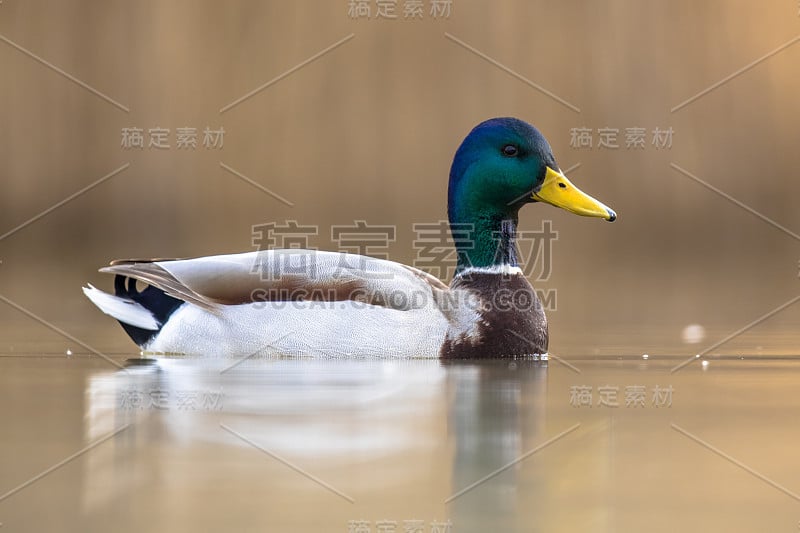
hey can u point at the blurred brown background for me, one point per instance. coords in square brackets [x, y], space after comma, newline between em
[368, 130]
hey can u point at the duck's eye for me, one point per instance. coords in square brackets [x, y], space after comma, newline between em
[562, 185]
[510, 150]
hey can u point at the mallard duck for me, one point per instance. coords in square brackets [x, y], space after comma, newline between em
[312, 303]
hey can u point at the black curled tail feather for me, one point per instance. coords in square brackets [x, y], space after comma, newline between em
[160, 304]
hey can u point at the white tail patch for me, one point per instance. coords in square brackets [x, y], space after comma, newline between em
[122, 309]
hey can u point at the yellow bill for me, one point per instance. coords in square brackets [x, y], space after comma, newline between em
[557, 190]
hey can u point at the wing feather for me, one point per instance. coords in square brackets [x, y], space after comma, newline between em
[281, 275]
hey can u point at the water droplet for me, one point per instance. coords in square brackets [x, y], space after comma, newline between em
[693, 334]
[645, 356]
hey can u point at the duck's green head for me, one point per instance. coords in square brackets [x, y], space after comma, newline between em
[503, 164]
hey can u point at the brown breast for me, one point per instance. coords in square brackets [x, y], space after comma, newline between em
[510, 319]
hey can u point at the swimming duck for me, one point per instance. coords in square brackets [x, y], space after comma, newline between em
[328, 304]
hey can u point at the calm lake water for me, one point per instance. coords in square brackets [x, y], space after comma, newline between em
[180, 444]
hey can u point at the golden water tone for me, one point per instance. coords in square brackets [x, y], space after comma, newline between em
[682, 116]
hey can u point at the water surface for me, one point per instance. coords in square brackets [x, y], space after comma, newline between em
[314, 445]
